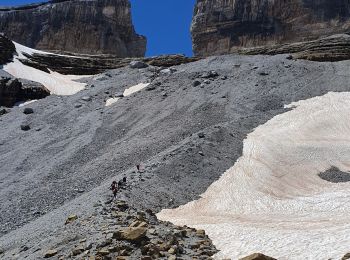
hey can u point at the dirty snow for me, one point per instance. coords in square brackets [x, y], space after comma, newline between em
[127, 92]
[55, 82]
[134, 89]
[272, 200]
[111, 101]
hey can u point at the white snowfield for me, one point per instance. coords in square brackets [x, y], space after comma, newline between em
[127, 92]
[56, 83]
[272, 200]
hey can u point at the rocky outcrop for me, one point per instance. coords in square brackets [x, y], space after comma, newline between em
[94, 64]
[257, 256]
[81, 26]
[220, 26]
[119, 231]
[13, 91]
[333, 48]
[7, 49]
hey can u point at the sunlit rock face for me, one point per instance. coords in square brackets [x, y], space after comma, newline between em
[85, 26]
[220, 26]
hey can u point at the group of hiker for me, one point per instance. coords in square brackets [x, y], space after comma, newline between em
[116, 186]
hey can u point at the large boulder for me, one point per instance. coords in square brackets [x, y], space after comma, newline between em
[220, 26]
[132, 234]
[257, 256]
[9, 91]
[14, 90]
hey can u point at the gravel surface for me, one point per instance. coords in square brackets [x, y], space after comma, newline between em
[184, 135]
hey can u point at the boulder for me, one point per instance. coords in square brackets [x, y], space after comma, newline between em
[78, 250]
[71, 219]
[86, 98]
[28, 111]
[200, 233]
[14, 90]
[345, 257]
[3, 111]
[132, 234]
[257, 256]
[138, 64]
[210, 74]
[9, 91]
[25, 127]
[196, 83]
[103, 252]
[201, 135]
[50, 253]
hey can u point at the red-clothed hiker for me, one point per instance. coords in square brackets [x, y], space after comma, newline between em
[114, 188]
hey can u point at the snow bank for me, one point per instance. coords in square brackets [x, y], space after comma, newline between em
[134, 89]
[272, 200]
[111, 101]
[24, 103]
[127, 92]
[55, 82]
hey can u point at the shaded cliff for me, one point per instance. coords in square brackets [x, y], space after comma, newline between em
[81, 26]
[7, 49]
[220, 26]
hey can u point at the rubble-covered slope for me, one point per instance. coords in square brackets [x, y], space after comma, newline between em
[186, 128]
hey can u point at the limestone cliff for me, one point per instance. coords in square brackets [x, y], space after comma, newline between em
[80, 26]
[220, 26]
[7, 49]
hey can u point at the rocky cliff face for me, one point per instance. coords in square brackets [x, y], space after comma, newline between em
[7, 49]
[220, 26]
[81, 26]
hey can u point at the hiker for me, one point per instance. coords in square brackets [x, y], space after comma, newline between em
[114, 188]
[124, 180]
[138, 167]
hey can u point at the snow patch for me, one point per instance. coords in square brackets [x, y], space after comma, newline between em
[272, 200]
[134, 89]
[55, 82]
[111, 101]
[24, 103]
[127, 92]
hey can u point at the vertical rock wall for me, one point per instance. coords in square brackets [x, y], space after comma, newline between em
[220, 26]
[80, 26]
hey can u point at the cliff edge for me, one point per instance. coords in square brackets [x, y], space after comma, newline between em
[222, 26]
[79, 26]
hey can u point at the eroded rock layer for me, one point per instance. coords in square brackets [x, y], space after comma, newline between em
[333, 48]
[84, 26]
[94, 64]
[220, 26]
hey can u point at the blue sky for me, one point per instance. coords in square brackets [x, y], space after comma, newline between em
[165, 23]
